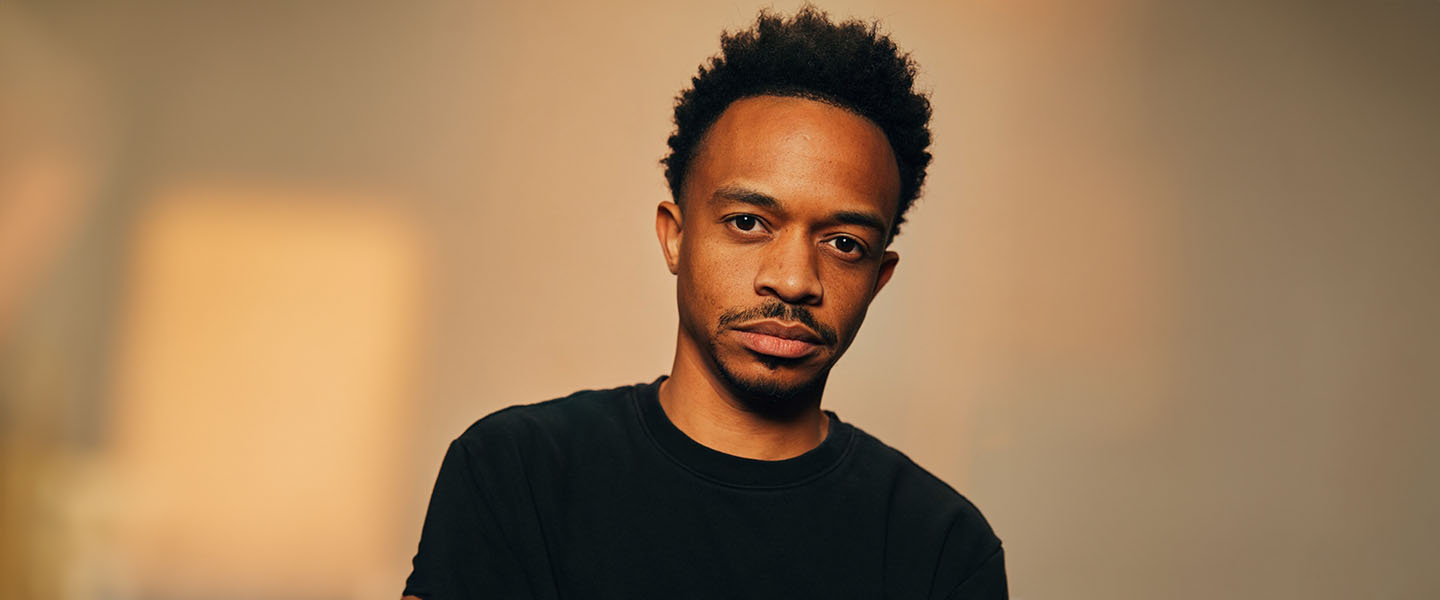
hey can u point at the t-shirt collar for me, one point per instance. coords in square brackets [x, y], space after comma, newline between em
[733, 470]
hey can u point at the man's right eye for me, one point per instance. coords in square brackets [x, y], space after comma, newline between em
[745, 222]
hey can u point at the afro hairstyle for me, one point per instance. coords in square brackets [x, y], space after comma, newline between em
[849, 64]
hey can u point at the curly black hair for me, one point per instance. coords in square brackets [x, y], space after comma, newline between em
[849, 64]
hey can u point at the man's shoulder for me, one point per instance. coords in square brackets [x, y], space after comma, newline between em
[585, 410]
[917, 489]
[907, 472]
[924, 507]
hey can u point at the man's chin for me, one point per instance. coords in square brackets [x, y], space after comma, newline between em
[772, 386]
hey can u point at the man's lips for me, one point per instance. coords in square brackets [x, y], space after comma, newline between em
[778, 339]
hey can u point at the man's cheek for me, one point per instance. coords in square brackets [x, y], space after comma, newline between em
[723, 273]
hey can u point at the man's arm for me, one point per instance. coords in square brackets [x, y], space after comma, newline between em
[971, 565]
[986, 583]
[463, 551]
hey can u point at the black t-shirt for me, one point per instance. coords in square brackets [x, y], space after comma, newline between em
[599, 495]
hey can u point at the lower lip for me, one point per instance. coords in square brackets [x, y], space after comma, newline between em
[775, 346]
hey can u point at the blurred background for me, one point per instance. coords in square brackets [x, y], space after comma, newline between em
[1166, 311]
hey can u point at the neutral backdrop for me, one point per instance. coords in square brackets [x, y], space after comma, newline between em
[1166, 311]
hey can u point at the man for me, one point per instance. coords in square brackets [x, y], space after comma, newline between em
[794, 158]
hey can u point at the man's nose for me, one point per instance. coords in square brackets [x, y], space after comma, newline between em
[789, 271]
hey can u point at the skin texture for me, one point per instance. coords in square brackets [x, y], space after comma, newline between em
[773, 233]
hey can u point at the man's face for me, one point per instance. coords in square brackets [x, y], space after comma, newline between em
[781, 243]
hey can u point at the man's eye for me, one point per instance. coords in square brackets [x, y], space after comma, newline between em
[844, 244]
[745, 222]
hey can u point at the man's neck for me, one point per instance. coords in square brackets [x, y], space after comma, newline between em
[699, 403]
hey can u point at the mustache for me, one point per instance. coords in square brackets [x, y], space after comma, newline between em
[776, 309]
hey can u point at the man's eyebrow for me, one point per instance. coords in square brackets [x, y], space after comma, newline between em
[860, 219]
[735, 193]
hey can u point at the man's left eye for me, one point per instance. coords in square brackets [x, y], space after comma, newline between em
[845, 244]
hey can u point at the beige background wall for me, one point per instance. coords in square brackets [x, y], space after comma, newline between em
[1166, 311]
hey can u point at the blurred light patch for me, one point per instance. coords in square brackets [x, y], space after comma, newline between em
[41, 205]
[263, 375]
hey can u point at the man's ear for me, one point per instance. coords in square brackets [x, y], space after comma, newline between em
[669, 228]
[887, 268]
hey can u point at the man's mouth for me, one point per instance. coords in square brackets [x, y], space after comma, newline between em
[779, 339]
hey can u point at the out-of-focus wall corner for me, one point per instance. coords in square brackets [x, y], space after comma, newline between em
[54, 137]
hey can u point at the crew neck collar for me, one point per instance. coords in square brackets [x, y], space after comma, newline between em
[733, 470]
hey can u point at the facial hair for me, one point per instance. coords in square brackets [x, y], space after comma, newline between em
[767, 395]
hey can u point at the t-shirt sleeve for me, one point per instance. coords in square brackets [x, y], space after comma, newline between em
[986, 583]
[971, 565]
[463, 550]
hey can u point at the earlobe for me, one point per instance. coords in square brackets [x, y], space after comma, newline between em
[887, 269]
[669, 229]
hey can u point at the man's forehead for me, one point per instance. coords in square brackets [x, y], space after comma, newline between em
[759, 119]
